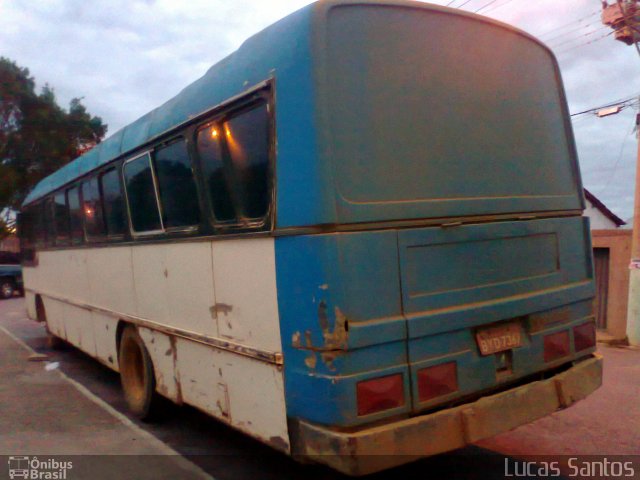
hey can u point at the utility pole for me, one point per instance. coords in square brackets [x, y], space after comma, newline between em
[623, 16]
[633, 306]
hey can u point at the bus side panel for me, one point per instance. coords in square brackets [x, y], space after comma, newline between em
[79, 329]
[245, 283]
[245, 393]
[68, 322]
[104, 334]
[111, 279]
[30, 302]
[174, 285]
[163, 354]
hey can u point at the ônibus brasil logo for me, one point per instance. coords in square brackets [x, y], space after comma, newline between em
[32, 468]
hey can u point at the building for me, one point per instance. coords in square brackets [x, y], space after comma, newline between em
[611, 256]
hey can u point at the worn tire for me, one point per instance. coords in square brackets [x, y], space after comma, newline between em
[137, 376]
[7, 288]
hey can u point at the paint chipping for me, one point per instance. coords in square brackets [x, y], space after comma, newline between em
[223, 308]
[168, 352]
[336, 339]
[324, 286]
[176, 375]
[328, 358]
[311, 360]
[307, 339]
[166, 273]
[295, 340]
[323, 318]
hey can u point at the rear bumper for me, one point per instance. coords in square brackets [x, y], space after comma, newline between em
[377, 448]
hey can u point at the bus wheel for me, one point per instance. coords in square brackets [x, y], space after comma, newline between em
[137, 376]
[53, 342]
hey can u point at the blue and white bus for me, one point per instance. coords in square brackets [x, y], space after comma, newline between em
[358, 238]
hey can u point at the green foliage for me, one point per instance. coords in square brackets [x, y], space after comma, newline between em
[37, 136]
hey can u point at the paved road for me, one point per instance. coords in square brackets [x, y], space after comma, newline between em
[608, 422]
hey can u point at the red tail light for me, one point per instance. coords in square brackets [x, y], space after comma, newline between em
[437, 381]
[380, 394]
[584, 336]
[556, 346]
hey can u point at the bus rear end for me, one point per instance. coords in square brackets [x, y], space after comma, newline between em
[445, 295]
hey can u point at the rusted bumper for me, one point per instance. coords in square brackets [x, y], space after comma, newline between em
[389, 445]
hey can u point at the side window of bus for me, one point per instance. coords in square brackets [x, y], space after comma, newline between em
[217, 179]
[247, 138]
[40, 224]
[141, 195]
[75, 215]
[27, 230]
[113, 203]
[93, 216]
[61, 218]
[176, 185]
[235, 156]
[49, 227]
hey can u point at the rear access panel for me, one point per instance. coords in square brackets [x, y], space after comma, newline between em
[470, 275]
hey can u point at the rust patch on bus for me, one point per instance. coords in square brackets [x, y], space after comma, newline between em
[337, 338]
[334, 340]
[223, 308]
[311, 360]
[176, 376]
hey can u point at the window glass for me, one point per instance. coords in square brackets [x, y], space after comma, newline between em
[27, 231]
[177, 187]
[113, 203]
[217, 180]
[247, 138]
[75, 215]
[49, 221]
[61, 217]
[141, 194]
[40, 224]
[93, 217]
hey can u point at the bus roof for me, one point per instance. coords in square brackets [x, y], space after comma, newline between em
[282, 47]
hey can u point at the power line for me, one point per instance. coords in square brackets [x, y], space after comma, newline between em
[485, 6]
[498, 6]
[562, 34]
[615, 166]
[463, 4]
[586, 43]
[580, 37]
[570, 23]
[610, 104]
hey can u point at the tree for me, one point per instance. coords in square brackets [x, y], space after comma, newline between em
[37, 136]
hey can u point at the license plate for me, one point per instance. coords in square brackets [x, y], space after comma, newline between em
[499, 338]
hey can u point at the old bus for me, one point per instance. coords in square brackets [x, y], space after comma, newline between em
[358, 239]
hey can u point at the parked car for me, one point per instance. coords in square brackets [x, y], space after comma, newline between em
[10, 275]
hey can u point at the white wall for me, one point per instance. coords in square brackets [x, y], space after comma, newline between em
[598, 220]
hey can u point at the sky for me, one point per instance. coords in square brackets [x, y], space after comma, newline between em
[126, 57]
